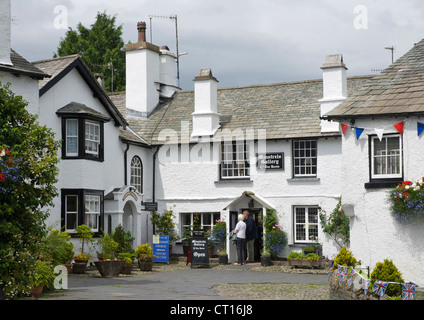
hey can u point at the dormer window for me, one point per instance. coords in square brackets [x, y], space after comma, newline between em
[82, 132]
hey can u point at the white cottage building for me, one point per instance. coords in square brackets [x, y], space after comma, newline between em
[212, 152]
[382, 147]
[211, 144]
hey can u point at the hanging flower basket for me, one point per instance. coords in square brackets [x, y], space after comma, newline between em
[407, 201]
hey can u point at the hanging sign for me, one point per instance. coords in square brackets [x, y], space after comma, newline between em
[271, 161]
[161, 248]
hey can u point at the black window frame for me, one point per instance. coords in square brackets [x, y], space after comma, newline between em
[81, 194]
[82, 154]
[376, 183]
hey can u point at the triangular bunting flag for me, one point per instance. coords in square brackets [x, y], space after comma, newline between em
[358, 132]
[399, 127]
[344, 127]
[379, 133]
[420, 128]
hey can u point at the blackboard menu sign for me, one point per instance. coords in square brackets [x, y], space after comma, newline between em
[199, 251]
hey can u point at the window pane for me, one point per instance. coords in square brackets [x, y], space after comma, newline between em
[305, 158]
[71, 212]
[386, 157]
[72, 137]
[137, 174]
[92, 137]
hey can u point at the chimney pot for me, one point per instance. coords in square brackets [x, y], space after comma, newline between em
[141, 27]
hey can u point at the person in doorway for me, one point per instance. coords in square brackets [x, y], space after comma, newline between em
[240, 230]
[251, 235]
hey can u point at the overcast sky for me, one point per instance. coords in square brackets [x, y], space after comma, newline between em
[244, 42]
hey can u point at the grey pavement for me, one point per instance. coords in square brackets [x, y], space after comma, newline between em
[179, 284]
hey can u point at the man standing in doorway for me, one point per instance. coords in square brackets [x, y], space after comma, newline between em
[251, 235]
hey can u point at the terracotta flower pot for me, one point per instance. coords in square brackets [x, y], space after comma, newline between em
[37, 291]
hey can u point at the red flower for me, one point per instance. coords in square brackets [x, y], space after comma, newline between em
[2, 177]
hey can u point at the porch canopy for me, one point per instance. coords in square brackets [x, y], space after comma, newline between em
[249, 194]
[248, 199]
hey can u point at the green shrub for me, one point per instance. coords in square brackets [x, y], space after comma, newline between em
[60, 247]
[345, 258]
[124, 239]
[387, 271]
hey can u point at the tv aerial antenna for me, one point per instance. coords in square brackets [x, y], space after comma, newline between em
[392, 49]
[175, 19]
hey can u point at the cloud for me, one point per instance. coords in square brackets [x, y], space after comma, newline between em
[243, 41]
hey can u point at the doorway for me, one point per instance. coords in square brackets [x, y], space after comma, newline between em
[257, 215]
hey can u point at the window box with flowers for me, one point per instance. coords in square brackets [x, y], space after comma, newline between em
[407, 201]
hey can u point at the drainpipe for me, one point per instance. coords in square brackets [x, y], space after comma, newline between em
[154, 175]
[125, 165]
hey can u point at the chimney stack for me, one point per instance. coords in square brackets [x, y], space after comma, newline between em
[205, 116]
[334, 89]
[5, 32]
[141, 27]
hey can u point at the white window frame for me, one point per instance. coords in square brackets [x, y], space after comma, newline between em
[235, 160]
[68, 212]
[213, 216]
[72, 154]
[307, 224]
[92, 211]
[92, 139]
[386, 158]
[136, 178]
[306, 159]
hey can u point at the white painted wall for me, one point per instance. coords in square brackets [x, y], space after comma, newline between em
[142, 74]
[23, 86]
[375, 234]
[195, 187]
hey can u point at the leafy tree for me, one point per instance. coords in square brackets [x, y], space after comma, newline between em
[28, 159]
[337, 225]
[100, 48]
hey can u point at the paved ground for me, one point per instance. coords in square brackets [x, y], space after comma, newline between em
[180, 282]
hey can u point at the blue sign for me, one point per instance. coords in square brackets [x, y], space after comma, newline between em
[161, 248]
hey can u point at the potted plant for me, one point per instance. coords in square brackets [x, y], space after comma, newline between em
[188, 233]
[85, 234]
[222, 257]
[44, 276]
[164, 225]
[219, 234]
[128, 258]
[108, 265]
[144, 254]
[124, 239]
[266, 257]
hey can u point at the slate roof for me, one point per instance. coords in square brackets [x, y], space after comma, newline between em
[22, 67]
[61, 66]
[285, 110]
[397, 91]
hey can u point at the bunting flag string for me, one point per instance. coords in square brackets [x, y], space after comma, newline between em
[348, 274]
[399, 126]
